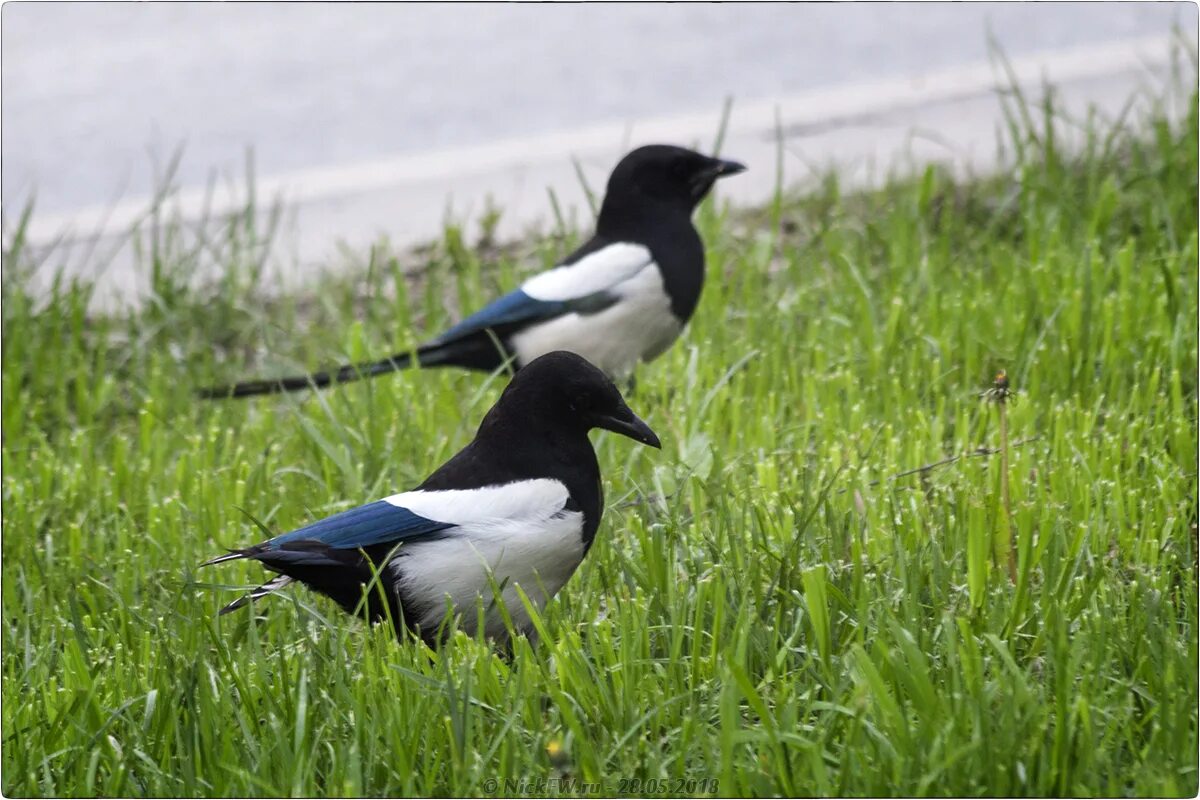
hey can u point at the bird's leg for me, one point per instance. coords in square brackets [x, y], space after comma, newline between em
[506, 647]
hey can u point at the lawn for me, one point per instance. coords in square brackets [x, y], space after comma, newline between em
[779, 602]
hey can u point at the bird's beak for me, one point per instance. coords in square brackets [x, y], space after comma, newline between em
[717, 168]
[626, 423]
[723, 168]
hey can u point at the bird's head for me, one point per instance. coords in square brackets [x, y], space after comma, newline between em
[668, 175]
[565, 390]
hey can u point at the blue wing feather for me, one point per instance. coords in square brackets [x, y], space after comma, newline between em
[514, 307]
[375, 523]
[518, 308]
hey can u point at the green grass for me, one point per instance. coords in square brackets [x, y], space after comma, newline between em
[766, 611]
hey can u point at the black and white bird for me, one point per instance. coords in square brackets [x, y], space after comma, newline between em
[519, 506]
[621, 298]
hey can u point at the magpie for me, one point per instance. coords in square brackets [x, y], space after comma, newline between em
[622, 297]
[518, 506]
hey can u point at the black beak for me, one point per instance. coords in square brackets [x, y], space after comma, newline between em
[717, 168]
[723, 168]
[627, 423]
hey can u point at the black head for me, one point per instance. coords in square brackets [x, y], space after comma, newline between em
[564, 390]
[667, 175]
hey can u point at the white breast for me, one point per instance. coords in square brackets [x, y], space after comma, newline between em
[516, 535]
[638, 327]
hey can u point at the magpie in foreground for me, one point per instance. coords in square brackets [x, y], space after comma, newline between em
[621, 298]
[519, 505]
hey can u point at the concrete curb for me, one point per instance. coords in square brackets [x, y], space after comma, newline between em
[952, 116]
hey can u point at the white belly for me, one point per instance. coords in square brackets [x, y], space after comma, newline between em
[539, 557]
[638, 327]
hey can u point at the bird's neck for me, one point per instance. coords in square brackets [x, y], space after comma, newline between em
[532, 447]
[638, 218]
[666, 229]
[514, 449]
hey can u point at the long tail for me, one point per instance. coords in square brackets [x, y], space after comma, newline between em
[273, 585]
[477, 351]
[317, 380]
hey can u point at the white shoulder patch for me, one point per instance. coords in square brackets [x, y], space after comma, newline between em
[532, 499]
[509, 535]
[593, 273]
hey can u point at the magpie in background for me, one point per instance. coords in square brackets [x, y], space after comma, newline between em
[519, 505]
[621, 298]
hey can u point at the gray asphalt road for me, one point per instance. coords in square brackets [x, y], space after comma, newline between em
[93, 93]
